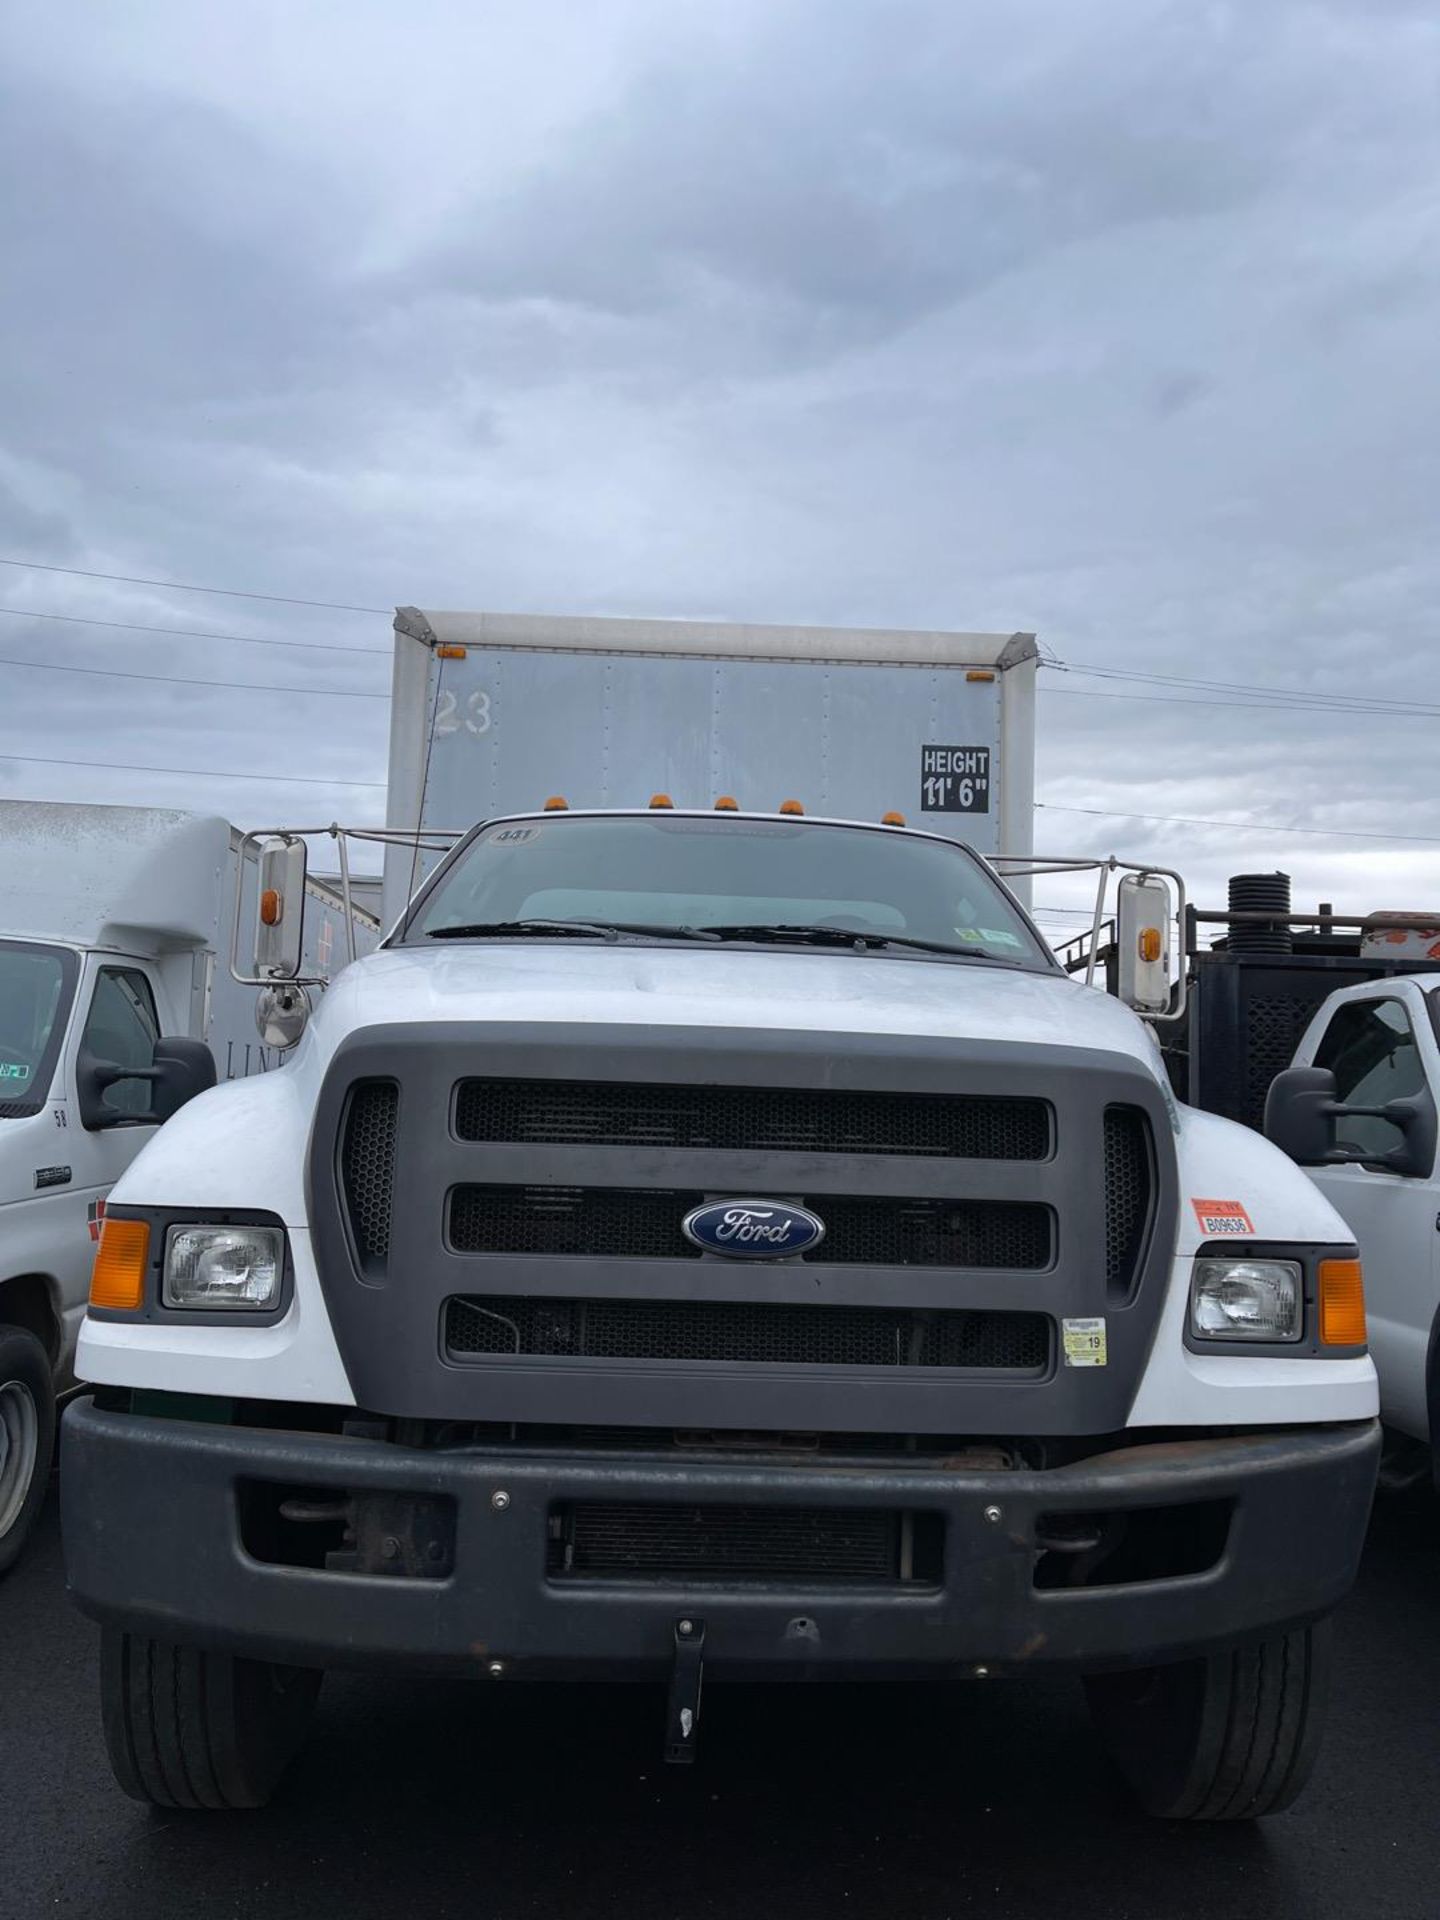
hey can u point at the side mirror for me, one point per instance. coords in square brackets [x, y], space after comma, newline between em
[1142, 940]
[279, 909]
[1301, 1111]
[181, 1069]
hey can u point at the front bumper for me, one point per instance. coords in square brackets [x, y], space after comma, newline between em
[153, 1544]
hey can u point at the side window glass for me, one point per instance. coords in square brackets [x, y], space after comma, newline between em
[122, 1028]
[1370, 1048]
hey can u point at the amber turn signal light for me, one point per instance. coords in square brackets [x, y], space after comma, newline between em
[117, 1279]
[1342, 1304]
[272, 907]
[1149, 943]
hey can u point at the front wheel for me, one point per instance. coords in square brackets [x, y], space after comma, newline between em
[187, 1728]
[1232, 1736]
[27, 1437]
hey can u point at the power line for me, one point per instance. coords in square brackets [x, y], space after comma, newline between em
[1283, 696]
[176, 680]
[1252, 706]
[1245, 826]
[190, 633]
[203, 773]
[185, 586]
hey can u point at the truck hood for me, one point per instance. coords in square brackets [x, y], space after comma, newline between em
[805, 990]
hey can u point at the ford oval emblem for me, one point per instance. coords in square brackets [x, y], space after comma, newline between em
[753, 1229]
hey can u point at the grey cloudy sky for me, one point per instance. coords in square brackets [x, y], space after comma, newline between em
[1117, 322]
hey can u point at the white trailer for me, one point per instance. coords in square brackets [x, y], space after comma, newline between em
[115, 934]
[494, 713]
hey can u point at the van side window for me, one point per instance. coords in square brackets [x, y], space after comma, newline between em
[1370, 1048]
[122, 1027]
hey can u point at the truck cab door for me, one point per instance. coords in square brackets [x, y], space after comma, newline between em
[1381, 1048]
[115, 1019]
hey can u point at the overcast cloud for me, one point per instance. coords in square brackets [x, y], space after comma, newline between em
[1118, 323]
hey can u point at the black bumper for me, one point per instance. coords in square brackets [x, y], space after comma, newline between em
[153, 1544]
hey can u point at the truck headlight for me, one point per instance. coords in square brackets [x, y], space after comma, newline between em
[224, 1267]
[1246, 1300]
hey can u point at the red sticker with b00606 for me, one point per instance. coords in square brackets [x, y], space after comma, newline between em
[1220, 1217]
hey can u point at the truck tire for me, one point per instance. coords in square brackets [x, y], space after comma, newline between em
[27, 1437]
[1229, 1737]
[187, 1728]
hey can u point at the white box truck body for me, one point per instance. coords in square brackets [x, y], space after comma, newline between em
[493, 713]
[115, 933]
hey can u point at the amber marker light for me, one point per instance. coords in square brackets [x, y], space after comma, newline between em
[557, 803]
[272, 907]
[979, 673]
[791, 806]
[1149, 943]
[892, 819]
[727, 804]
[661, 800]
[449, 653]
[1342, 1304]
[117, 1279]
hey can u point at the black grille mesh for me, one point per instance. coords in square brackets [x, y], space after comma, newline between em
[1273, 1024]
[643, 1223]
[1127, 1194]
[758, 1332]
[761, 1119]
[367, 1165]
[619, 1539]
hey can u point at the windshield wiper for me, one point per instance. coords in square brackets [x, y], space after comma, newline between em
[841, 937]
[582, 929]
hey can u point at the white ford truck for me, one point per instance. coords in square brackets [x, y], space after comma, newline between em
[710, 1243]
[113, 1010]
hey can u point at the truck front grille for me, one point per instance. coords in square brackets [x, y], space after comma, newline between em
[367, 1166]
[643, 1223]
[1129, 1195]
[814, 1546]
[751, 1119]
[763, 1332]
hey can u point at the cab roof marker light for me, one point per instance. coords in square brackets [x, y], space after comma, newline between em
[892, 819]
[727, 804]
[117, 1280]
[661, 800]
[791, 806]
[557, 803]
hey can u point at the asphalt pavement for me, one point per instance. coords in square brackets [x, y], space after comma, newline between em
[420, 1799]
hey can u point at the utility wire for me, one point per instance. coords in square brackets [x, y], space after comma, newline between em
[203, 773]
[1283, 696]
[185, 586]
[177, 680]
[1245, 826]
[1252, 706]
[189, 633]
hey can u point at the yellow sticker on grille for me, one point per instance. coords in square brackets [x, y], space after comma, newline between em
[1084, 1342]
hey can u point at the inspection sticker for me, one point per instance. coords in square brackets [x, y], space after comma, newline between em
[1222, 1217]
[1084, 1342]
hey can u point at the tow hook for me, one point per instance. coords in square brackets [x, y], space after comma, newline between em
[682, 1719]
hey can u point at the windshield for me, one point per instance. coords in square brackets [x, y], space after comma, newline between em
[663, 873]
[35, 988]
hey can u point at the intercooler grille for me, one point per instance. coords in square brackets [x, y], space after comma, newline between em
[1128, 1186]
[758, 1332]
[367, 1166]
[752, 1119]
[643, 1223]
[622, 1540]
